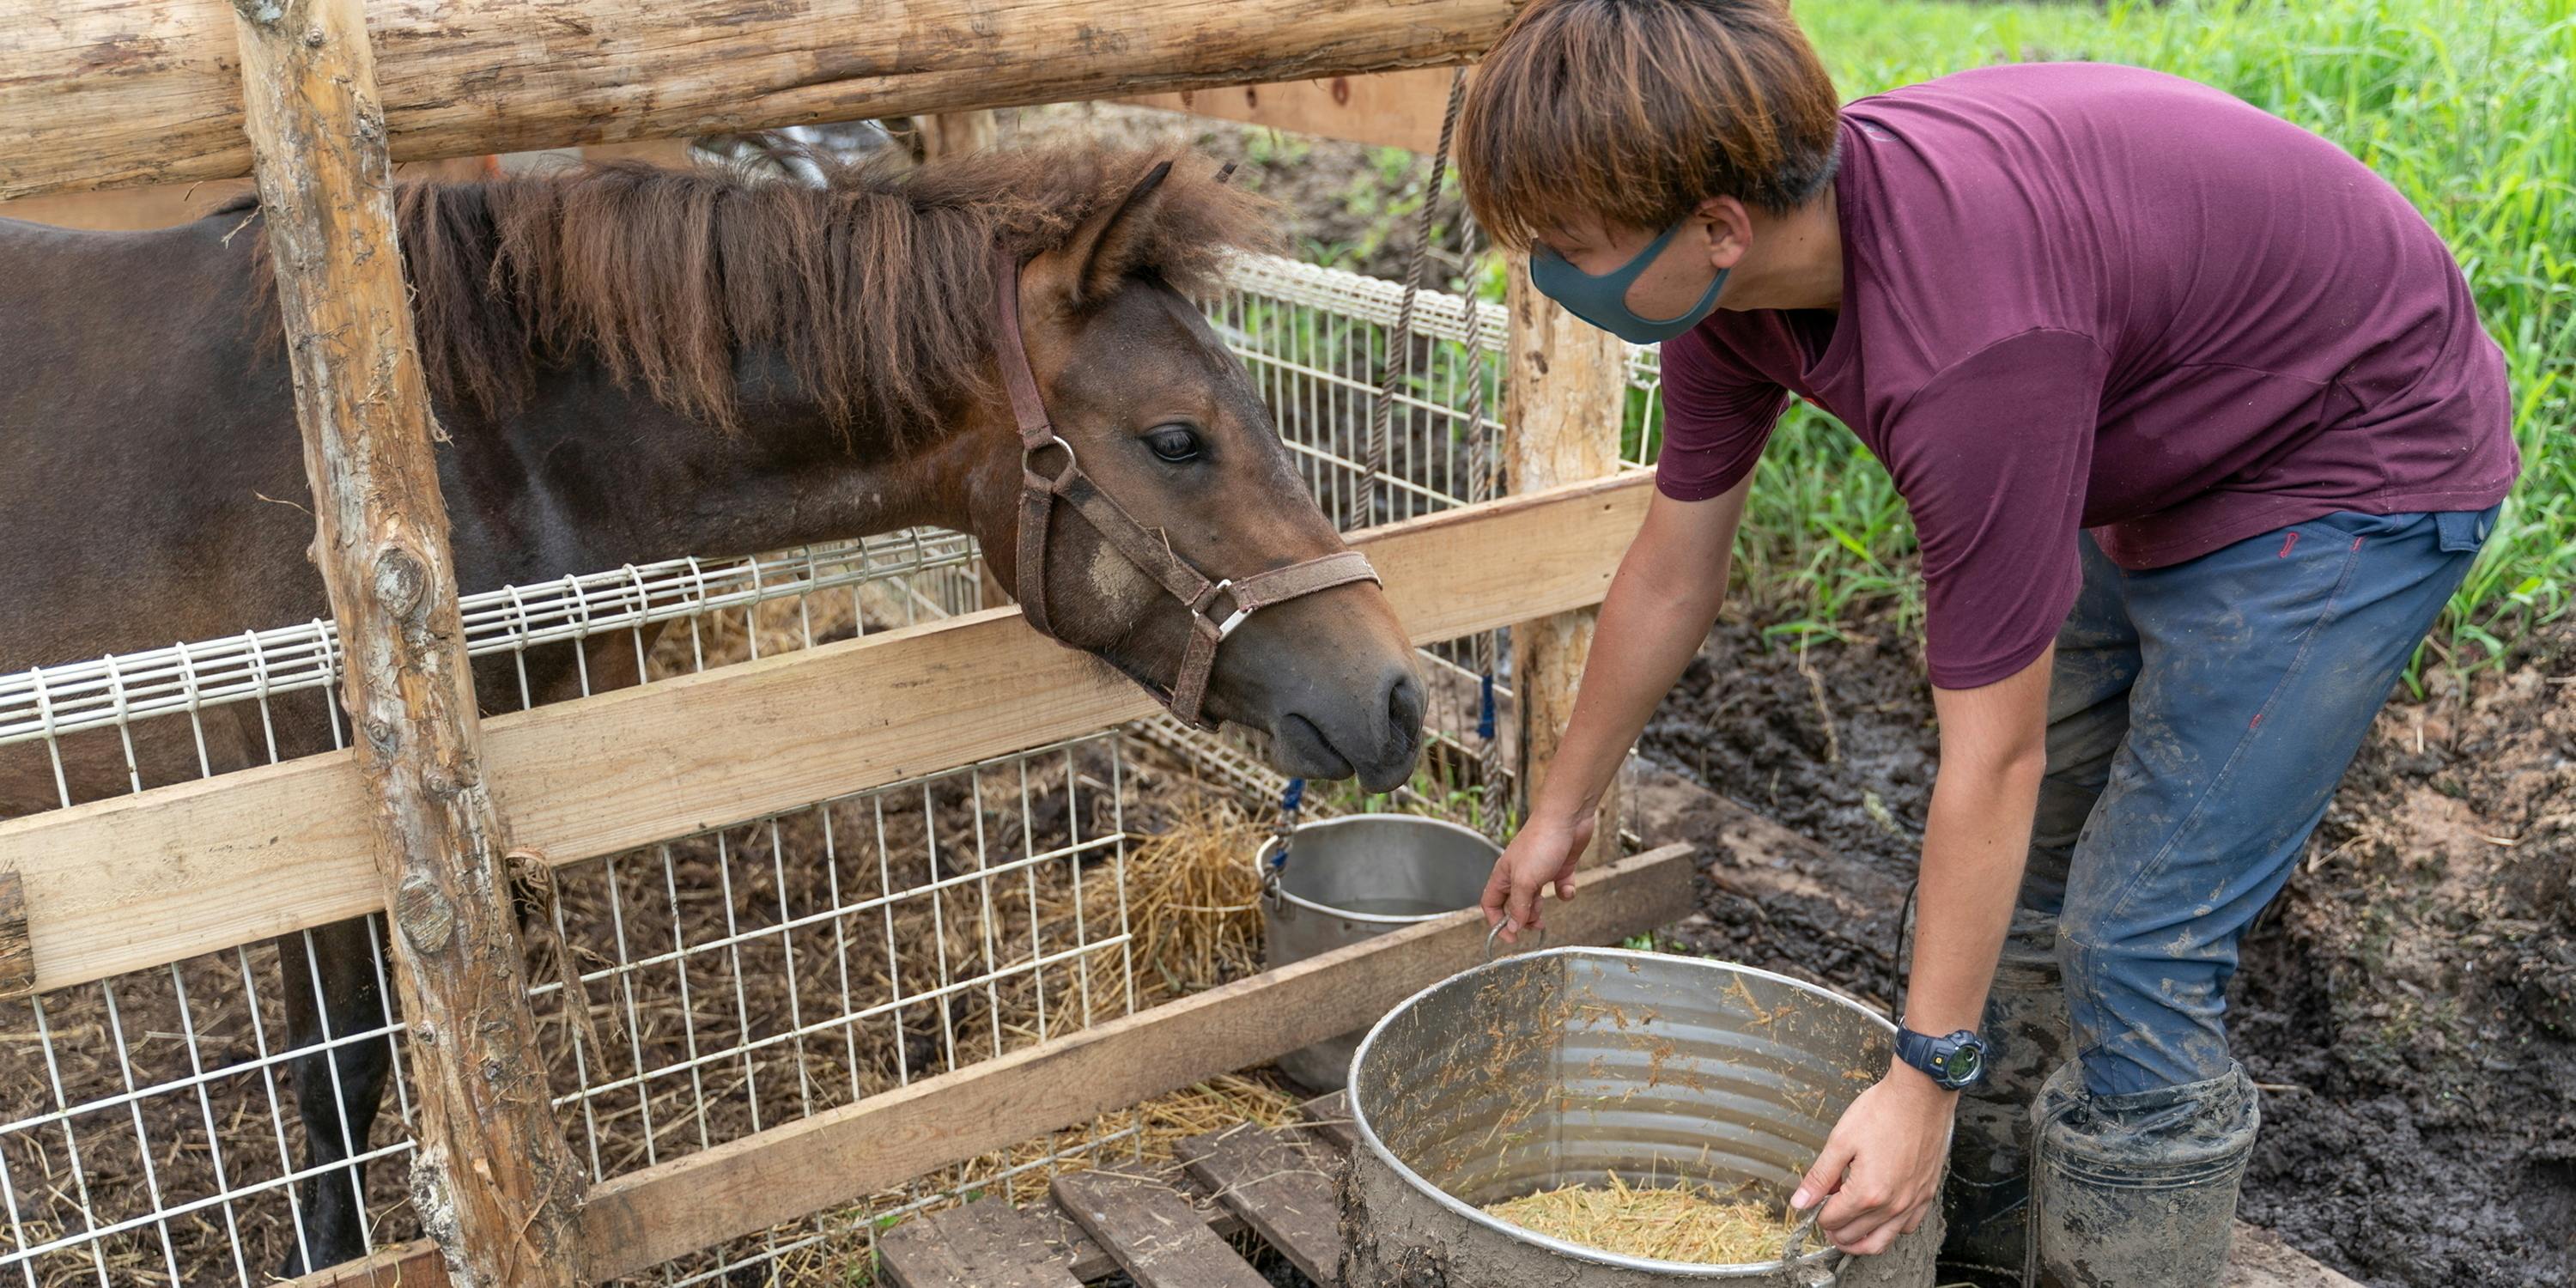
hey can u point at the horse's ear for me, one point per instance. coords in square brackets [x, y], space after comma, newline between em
[1112, 245]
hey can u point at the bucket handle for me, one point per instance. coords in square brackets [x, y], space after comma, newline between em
[1829, 1273]
[1497, 931]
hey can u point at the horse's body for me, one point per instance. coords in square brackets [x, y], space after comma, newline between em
[632, 366]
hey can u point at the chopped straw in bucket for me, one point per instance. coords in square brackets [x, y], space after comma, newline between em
[1685, 1221]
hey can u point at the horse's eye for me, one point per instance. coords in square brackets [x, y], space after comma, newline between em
[1174, 443]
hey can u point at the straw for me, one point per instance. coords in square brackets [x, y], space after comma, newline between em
[1686, 1221]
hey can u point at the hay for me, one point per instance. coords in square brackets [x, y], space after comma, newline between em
[1686, 1221]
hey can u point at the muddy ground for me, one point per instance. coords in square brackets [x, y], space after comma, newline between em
[2410, 1001]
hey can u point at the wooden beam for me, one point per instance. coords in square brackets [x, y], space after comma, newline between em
[956, 134]
[112, 93]
[136, 881]
[1399, 109]
[1565, 390]
[171, 204]
[641, 1219]
[493, 1182]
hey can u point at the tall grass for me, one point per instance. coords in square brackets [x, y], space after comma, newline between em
[2468, 107]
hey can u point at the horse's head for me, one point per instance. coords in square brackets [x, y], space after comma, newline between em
[1165, 421]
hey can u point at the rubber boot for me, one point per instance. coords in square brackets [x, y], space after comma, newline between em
[1986, 1198]
[2138, 1191]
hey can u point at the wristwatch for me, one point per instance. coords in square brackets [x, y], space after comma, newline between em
[1954, 1061]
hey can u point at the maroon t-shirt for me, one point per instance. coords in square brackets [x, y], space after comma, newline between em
[2078, 295]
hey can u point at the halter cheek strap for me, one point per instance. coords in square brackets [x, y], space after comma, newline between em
[1040, 492]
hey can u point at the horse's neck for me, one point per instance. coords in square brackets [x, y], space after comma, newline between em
[594, 475]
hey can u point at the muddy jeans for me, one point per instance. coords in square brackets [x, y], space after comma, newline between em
[2199, 718]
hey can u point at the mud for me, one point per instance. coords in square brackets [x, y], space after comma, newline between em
[2409, 1004]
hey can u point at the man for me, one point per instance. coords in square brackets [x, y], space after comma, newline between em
[2199, 431]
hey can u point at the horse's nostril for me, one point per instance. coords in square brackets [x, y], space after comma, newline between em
[1403, 705]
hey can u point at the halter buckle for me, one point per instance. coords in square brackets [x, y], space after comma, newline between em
[1226, 627]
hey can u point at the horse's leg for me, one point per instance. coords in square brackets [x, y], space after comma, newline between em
[338, 1092]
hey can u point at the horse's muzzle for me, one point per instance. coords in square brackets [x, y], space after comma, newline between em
[1375, 738]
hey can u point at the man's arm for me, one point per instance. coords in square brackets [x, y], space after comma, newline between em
[1657, 612]
[1884, 1161]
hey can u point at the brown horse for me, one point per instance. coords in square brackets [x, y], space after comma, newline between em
[634, 364]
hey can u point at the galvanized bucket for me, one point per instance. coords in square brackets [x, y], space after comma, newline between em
[1349, 878]
[1560, 1067]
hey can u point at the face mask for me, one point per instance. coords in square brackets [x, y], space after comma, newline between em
[1603, 301]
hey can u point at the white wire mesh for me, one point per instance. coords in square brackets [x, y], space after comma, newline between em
[737, 978]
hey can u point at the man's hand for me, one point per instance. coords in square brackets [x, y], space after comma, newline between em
[1883, 1163]
[1543, 854]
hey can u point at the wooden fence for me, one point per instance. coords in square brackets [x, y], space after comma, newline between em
[414, 819]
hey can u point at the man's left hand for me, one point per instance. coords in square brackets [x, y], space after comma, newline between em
[1883, 1164]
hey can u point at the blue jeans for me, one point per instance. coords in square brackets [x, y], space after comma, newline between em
[2199, 718]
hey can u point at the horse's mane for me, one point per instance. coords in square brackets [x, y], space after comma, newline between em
[877, 289]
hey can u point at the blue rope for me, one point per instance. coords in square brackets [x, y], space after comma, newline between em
[1290, 802]
[1485, 713]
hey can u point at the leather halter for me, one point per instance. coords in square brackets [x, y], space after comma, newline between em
[1239, 597]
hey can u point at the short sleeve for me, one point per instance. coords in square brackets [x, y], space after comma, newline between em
[1718, 413]
[1992, 457]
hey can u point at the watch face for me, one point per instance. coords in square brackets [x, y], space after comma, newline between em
[1961, 1064]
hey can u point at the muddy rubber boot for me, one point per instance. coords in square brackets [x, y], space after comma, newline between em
[1986, 1198]
[2139, 1191]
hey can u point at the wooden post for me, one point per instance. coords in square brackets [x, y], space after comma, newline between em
[1564, 391]
[951, 134]
[493, 1181]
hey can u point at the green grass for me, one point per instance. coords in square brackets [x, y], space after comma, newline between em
[2468, 108]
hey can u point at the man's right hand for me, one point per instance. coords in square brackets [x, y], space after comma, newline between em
[1543, 854]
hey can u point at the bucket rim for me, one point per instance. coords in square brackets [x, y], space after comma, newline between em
[1261, 866]
[1368, 1137]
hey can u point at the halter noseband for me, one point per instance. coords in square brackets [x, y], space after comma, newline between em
[1151, 554]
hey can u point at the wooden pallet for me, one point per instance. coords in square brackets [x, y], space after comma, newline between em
[1164, 1228]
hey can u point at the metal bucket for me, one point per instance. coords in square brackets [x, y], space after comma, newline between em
[1560, 1067]
[1353, 877]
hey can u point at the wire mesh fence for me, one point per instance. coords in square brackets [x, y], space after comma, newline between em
[220, 1119]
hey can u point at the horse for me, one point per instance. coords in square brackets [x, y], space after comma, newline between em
[630, 364]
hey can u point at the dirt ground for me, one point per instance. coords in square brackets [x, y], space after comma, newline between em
[2410, 1002]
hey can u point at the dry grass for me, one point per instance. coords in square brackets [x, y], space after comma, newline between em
[1686, 1221]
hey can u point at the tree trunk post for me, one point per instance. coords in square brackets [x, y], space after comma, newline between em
[1565, 391]
[493, 1181]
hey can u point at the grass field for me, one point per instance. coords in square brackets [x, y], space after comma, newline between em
[2468, 108]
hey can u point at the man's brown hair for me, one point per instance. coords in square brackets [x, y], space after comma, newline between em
[1635, 111]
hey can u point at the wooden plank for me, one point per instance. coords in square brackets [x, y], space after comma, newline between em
[17, 956]
[494, 1181]
[109, 93]
[133, 882]
[647, 1217]
[1328, 1116]
[408, 1265]
[1155, 1235]
[1398, 109]
[1565, 392]
[1279, 1189]
[1085, 1256]
[170, 204]
[985, 1244]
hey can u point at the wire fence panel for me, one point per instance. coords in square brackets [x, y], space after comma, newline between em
[205, 1122]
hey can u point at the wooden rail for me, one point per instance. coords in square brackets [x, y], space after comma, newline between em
[110, 93]
[641, 1219]
[137, 881]
[1399, 109]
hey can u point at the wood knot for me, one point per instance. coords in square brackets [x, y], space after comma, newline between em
[402, 581]
[380, 735]
[426, 917]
